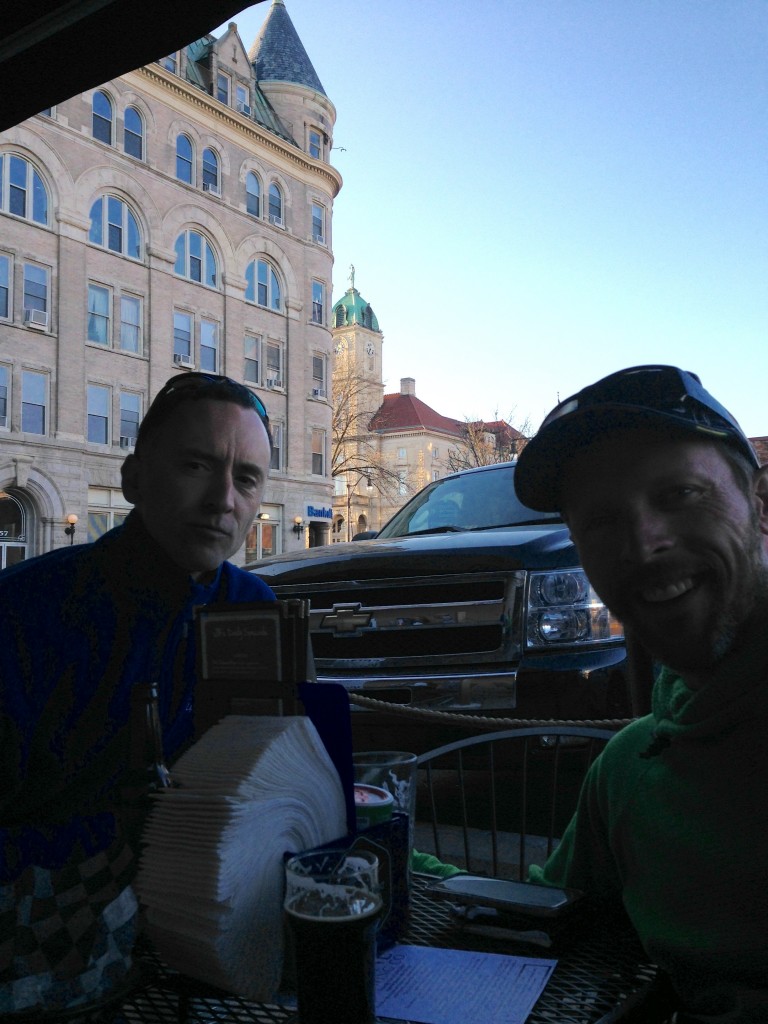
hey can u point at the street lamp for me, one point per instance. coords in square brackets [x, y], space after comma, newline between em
[70, 530]
[350, 491]
[298, 525]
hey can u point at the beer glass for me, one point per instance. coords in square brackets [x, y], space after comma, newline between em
[332, 906]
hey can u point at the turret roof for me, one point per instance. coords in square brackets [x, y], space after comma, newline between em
[278, 55]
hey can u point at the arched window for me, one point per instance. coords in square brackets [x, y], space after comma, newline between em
[263, 285]
[275, 204]
[114, 227]
[184, 159]
[253, 194]
[22, 191]
[195, 259]
[102, 117]
[133, 135]
[211, 172]
[13, 532]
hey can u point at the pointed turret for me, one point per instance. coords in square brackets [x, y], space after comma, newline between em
[278, 55]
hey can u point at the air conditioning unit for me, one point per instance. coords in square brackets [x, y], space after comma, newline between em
[274, 382]
[127, 442]
[244, 108]
[319, 392]
[36, 318]
[208, 186]
[277, 221]
[182, 360]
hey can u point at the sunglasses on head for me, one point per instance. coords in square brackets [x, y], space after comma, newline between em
[198, 381]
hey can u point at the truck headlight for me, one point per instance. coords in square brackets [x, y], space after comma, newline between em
[563, 610]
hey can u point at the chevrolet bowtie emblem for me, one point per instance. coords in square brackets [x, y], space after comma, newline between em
[346, 618]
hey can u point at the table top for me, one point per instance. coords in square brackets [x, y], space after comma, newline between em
[599, 977]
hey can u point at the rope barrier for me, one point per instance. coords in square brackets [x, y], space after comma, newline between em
[480, 721]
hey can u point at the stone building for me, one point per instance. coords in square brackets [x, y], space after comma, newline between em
[176, 218]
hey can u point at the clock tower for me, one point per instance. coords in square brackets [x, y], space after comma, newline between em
[358, 391]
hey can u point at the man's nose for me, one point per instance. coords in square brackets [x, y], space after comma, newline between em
[647, 534]
[220, 493]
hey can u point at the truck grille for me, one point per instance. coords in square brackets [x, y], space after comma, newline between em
[398, 623]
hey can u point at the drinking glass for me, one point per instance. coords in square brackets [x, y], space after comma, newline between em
[332, 905]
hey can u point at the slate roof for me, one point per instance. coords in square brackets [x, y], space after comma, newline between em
[278, 55]
[407, 412]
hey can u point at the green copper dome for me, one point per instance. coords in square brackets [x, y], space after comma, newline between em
[352, 309]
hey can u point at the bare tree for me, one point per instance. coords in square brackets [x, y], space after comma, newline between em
[484, 443]
[355, 450]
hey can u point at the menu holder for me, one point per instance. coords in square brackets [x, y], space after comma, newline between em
[251, 658]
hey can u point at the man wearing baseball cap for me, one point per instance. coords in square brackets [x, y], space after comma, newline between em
[668, 507]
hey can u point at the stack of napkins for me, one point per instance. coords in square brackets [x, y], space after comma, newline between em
[211, 872]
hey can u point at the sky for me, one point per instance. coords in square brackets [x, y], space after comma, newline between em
[540, 192]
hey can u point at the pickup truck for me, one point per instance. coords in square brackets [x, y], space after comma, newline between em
[465, 601]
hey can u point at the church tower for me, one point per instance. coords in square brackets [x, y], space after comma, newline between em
[358, 391]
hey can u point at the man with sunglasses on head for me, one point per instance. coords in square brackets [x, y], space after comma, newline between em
[668, 506]
[81, 628]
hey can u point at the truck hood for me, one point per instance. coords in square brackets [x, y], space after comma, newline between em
[543, 546]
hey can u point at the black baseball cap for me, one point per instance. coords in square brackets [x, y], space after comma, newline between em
[663, 396]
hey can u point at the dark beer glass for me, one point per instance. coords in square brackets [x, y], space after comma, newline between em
[332, 907]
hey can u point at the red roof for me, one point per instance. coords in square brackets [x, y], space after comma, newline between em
[760, 444]
[407, 412]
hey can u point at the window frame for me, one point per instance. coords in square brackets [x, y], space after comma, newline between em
[31, 302]
[275, 205]
[272, 365]
[6, 394]
[105, 317]
[138, 326]
[252, 341]
[318, 218]
[129, 225]
[318, 453]
[131, 437]
[186, 254]
[34, 190]
[27, 373]
[263, 286]
[7, 286]
[211, 180]
[178, 315]
[133, 134]
[210, 330]
[277, 458]
[318, 302]
[105, 419]
[109, 131]
[312, 135]
[250, 194]
[190, 160]
[223, 95]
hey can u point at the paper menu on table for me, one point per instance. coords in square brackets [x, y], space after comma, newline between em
[451, 986]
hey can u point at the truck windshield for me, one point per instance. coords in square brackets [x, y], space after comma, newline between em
[478, 500]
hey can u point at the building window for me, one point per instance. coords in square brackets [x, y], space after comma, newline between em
[402, 482]
[318, 377]
[275, 204]
[209, 346]
[182, 337]
[5, 287]
[99, 314]
[315, 143]
[35, 295]
[184, 159]
[263, 538]
[114, 227]
[130, 414]
[243, 100]
[102, 117]
[251, 370]
[222, 88]
[318, 452]
[33, 402]
[106, 508]
[5, 405]
[318, 223]
[253, 194]
[98, 414]
[274, 365]
[435, 474]
[133, 133]
[22, 191]
[195, 259]
[170, 63]
[318, 302]
[211, 172]
[435, 453]
[130, 323]
[262, 285]
[276, 462]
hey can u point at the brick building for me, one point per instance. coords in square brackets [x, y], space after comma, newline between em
[177, 217]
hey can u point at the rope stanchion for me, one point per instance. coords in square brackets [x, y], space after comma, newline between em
[479, 721]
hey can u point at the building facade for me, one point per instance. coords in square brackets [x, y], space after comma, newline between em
[176, 218]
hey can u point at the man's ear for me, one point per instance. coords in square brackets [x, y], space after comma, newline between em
[760, 491]
[129, 472]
